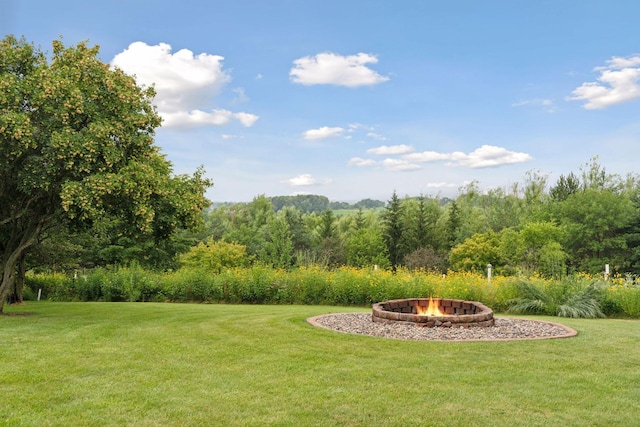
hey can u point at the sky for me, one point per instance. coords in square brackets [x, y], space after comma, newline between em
[356, 99]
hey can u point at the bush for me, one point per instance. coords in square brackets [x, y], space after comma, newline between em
[425, 259]
[623, 297]
[569, 297]
[215, 256]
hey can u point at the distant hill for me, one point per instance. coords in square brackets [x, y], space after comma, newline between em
[309, 203]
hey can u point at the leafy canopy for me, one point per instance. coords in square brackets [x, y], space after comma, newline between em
[76, 145]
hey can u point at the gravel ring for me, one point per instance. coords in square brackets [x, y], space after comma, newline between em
[505, 329]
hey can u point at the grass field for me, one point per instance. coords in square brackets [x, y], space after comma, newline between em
[152, 364]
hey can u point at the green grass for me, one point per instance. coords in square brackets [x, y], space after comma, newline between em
[154, 364]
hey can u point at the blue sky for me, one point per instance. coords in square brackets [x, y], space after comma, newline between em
[357, 99]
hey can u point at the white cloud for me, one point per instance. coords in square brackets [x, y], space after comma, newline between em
[246, 119]
[360, 162]
[619, 81]
[196, 118]
[301, 180]
[390, 150]
[399, 165]
[489, 156]
[427, 156]
[305, 180]
[329, 68]
[617, 62]
[185, 83]
[483, 157]
[323, 133]
[227, 136]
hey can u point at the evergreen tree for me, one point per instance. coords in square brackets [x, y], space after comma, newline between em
[393, 230]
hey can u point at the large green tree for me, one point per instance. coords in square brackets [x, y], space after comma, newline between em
[76, 145]
[249, 224]
[595, 223]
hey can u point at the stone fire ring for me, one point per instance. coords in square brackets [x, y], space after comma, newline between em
[455, 313]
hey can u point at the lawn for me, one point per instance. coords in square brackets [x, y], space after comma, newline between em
[148, 364]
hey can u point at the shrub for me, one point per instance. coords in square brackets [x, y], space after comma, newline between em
[565, 298]
[425, 259]
[215, 256]
[624, 296]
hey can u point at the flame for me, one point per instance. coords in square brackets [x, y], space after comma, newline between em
[431, 310]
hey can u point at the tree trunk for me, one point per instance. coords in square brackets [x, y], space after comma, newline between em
[6, 281]
[15, 294]
[12, 258]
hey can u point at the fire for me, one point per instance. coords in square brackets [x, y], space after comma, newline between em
[431, 310]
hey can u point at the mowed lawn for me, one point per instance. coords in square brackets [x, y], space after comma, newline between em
[148, 364]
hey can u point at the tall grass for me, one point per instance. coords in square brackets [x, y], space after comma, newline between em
[573, 296]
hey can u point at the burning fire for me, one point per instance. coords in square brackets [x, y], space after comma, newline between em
[431, 310]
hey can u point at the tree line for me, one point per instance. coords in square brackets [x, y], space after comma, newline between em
[579, 223]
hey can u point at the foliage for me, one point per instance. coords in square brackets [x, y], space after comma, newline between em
[277, 248]
[543, 252]
[452, 224]
[366, 248]
[425, 259]
[303, 202]
[565, 187]
[347, 286]
[393, 230]
[565, 298]
[476, 252]
[534, 232]
[249, 224]
[623, 297]
[573, 296]
[594, 221]
[214, 256]
[521, 230]
[420, 217]
[76, 146]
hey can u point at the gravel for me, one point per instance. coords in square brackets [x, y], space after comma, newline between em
[504, 329]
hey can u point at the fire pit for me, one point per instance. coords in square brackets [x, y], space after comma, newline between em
[432, 312]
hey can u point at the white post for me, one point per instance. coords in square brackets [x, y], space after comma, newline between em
[489, 273]
[606, 272]
[39, 293]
